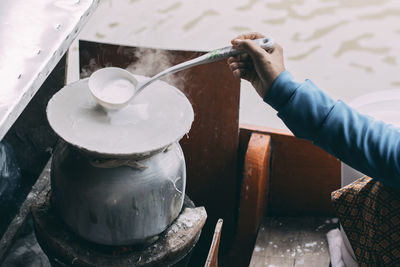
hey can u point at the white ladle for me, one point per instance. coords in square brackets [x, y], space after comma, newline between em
[113, 88]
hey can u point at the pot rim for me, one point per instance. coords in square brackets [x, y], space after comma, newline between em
[99, 151]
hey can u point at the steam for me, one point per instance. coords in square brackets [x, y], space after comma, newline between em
[150, 62]
[141, 61]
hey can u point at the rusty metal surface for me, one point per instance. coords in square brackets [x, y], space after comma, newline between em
[34, 35]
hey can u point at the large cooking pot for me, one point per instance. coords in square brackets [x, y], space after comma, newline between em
[118, 177]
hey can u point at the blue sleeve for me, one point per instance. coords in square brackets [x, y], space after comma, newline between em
[366, 144]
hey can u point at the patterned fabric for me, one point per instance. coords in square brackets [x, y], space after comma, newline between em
[370, 215]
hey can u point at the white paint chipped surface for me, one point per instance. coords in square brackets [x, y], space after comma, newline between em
[34, 36]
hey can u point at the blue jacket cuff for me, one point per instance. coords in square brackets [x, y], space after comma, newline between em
[281, 90]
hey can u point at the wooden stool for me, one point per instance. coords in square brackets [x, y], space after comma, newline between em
[64, 248]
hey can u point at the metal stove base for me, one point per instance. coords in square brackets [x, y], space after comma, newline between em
[64, 248]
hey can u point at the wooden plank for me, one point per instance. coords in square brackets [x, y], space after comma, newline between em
[271, 261]
[276, 238]
[254, 189]
[302, 175]
[290, 241]
[212, 144]
[265, 129]
[212, 258]
[302, 178]
[253, 197]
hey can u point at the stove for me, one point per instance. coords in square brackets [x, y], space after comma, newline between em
[172, 247]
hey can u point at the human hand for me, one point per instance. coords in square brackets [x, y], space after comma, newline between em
[256, 65]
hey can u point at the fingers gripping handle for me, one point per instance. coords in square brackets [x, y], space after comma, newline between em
[225, 52]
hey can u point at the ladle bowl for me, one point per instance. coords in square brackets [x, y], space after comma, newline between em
[123, 84]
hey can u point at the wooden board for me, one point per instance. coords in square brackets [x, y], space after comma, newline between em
[288, 242]
[253, 196]
[212, 258]
[302, 175]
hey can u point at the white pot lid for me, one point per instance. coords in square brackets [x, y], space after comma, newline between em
[156, 118]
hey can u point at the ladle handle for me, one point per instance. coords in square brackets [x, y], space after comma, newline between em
[225, 52]
[212, 56]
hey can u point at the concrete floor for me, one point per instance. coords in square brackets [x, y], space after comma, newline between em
[293, 242]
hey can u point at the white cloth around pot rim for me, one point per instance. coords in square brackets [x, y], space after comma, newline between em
[156, 118]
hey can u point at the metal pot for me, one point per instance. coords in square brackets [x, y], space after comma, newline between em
[118, 205]
[119, 177]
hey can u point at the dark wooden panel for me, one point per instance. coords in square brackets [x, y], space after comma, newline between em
[253, 197]
[212, 143]
[303, 178]
[302, 175]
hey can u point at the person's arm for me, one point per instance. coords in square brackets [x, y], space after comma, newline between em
[365, 144]
[368, 145]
